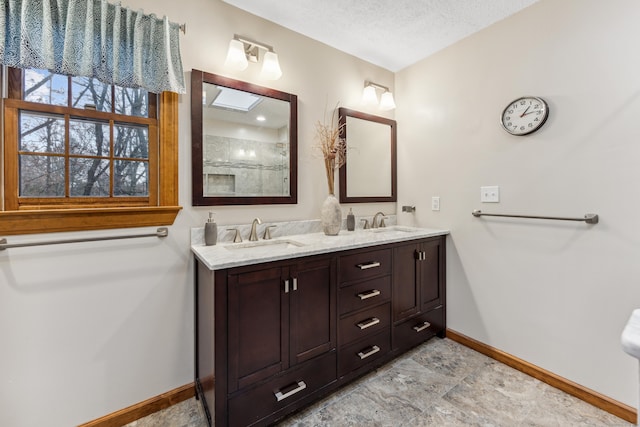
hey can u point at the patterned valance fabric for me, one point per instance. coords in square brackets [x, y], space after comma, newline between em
[92, 38]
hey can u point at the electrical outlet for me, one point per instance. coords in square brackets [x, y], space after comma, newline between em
[435, 203]
[490, 194]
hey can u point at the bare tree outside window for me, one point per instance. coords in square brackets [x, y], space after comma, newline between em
[77, 154]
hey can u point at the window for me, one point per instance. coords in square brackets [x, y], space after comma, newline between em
[97, 155]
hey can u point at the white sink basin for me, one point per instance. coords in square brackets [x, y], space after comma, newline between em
[264, 244]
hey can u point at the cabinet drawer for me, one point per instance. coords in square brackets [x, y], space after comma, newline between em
[364, 323]
[364, 351]
[249, 407]
[365, 264]
[364, 294]
[418, 329]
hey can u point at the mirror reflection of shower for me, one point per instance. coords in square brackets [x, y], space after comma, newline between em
[283, 147]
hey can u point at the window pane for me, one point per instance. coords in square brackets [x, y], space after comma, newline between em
[132, 102]
[131, 141]
[88, 177]
[130, 178]
[41, 176]
[45, 87]
[90, 94]
[88, 137]
[41, 133]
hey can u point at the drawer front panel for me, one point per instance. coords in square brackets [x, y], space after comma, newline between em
[418, 329]
[253, 405]
[364, 294]
[358, 354]
[365, 264]
[364, 323]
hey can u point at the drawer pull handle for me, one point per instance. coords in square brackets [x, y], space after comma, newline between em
[420, 328]
[374, 350]
[369, 294]
[286, 286]
[368, 323]
[281, 396]
[368, 265]
[295, 283]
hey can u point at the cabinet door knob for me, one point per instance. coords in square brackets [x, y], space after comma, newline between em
[299, 387]
[286, 286]
[374, 349]
[369, 294]
[295, 283]
[420, 328]
[368, 323]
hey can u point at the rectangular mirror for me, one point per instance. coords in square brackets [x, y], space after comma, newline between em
[369, 174]
[244, 142]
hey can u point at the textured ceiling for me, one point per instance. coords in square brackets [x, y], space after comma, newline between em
[392, 34]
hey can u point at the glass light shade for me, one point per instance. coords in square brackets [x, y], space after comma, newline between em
[387, 102]
[369, 96]
[236, 58]
[270, 66]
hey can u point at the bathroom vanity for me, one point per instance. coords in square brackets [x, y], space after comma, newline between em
[281, 323]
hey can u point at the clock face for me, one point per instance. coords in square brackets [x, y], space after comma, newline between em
[525, 115]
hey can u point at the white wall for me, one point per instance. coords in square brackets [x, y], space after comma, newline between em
[88, 329]
[556, 294]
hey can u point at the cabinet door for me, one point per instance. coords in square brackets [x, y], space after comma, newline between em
[258, 326]
[313, 305]
[406, 300]
[430, 271]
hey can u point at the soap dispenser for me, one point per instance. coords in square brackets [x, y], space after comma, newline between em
[210, 231]
[351, 221]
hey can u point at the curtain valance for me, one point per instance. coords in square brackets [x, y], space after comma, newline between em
[92, 38]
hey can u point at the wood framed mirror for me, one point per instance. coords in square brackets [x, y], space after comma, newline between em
[369, 173]
[244, 143]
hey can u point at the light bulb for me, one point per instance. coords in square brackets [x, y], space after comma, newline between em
[270, 66]
[369, 96]
[387, 102]
[236, 58]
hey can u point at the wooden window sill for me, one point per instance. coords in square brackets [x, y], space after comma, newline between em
[58, 220]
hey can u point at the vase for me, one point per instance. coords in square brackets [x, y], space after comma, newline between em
[331, 216]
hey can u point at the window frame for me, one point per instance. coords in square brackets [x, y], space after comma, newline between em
[160, 209]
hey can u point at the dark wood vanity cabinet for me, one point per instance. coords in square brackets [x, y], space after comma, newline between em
[418, 292]
[275, 336]
[286, 333]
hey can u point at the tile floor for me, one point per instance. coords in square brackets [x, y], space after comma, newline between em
[440, 383]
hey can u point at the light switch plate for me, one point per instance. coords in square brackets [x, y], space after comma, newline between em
[490, 194]
[435, 203]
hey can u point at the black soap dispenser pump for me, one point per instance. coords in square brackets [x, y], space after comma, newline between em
[210, 231]
[351, 221]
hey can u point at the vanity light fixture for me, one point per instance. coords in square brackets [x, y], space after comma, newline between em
[243, 50]
[370, 97]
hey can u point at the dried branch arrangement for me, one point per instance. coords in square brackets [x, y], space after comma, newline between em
[331, 145]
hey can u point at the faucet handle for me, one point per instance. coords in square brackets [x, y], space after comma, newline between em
[366, 223]
[382, 224]
[237, 238]
[267, 232]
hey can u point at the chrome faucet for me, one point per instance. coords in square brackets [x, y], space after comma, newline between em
[253, 236]
[374, 222]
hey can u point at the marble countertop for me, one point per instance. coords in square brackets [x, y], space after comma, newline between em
[227, 254]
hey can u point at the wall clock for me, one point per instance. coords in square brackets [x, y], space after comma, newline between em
[525, 115]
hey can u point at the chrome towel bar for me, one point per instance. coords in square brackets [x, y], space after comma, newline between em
[588, 218]
[160, 232]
